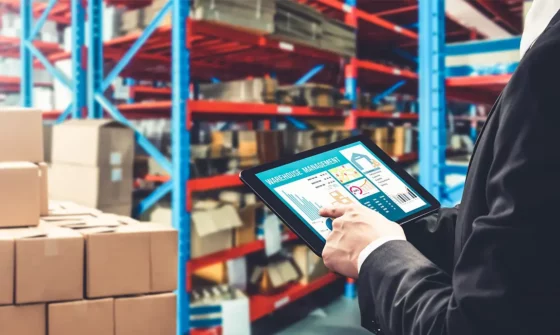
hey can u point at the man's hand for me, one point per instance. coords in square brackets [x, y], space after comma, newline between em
[354, 227]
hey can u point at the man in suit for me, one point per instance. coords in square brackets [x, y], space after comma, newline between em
[492, 265]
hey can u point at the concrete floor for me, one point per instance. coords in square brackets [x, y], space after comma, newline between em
[341, 317]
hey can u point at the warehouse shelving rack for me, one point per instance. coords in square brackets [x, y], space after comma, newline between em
[191, 42]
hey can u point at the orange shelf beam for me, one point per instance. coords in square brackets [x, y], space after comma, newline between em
[395, 71]
[364, 114]
[203, 184]
[262, 305]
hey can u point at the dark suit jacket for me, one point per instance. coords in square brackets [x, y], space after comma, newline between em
[493, 265]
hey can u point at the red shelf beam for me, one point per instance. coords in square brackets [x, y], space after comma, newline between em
[9, 47]
[262, 305]
[236, 252]
[364, 114]
[11, 84]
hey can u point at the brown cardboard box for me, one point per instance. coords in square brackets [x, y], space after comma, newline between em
[100, 143]
[91, 186]
[43, 188]
[117, 261]
[146, 315]
[399, 141]
[310, 265]
[84, 317]
[212, 224]
[21, 135]
[52, 254]
[274, 276]
[247, 148]
[163, 256]
[20, 196]
[47, 142]
[6, 270]
[247, 232]
[216, 273]
[119, 209]
[23, 320]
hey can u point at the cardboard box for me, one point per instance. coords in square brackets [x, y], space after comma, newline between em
[47, 142]
[215, 273]
[20, 196]
[310, 265]
[212, 227]
[85, 317]
[7, 270]
[23, 320]
[99, 143]
[274, 277]
[163, 256]
[91, 186]
[247, 232]
[49, 263]
[43, 188]
[117, 261]
[21, 135]
[119, 209]
[146, 315]
[399, 142]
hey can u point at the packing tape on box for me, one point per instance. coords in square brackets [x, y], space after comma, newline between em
[51, 247]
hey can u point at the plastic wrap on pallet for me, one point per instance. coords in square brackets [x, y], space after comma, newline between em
[298, 22]
[338, 37]
[256, 15]
[258, 90]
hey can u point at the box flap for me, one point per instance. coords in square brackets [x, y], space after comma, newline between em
[226, 217]
[22, 233]
[203, 223]
[205, 204]
[275, 276]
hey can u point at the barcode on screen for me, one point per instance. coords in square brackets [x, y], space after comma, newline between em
[402, 198]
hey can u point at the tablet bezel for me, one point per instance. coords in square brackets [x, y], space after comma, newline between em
[278, 207]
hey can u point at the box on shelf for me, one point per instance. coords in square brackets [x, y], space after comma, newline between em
[20, 198]
[379, 135]
[254, 15]
[84, 317]
[256, 90]
[24, 320]
[270, 145]
[225, 305]
[274, 277]
[21, 135]
[47, 142]
[338, 37]
[298, 22]
[247, 232]
[53, 254]
[247, 148]
[149, 13]
[146, 315]
[215, 273]
[311, 95]
[7, 250]
[212, 227]
[310, 265]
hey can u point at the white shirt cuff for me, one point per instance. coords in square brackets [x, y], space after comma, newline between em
[374, 245]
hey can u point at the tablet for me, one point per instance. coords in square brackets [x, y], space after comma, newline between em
[352, 171]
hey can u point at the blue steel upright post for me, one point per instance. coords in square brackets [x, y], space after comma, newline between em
[95, 57]
[26, 80]
[79, 76]
[180, 154]
[432, 95]
[351, 92]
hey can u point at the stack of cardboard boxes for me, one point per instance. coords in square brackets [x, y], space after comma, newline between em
[68, 269]
[92, 163]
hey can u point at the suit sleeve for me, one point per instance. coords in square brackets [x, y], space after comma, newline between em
[434, 235]
[506, 277]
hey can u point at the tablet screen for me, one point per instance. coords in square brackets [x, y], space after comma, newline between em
[342, 176]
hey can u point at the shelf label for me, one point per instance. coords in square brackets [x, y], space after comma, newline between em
[284, 110]
[346, 8]
[286, 46]
[396, 114]
[398, 29]
[281, 302]
[397, 71]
